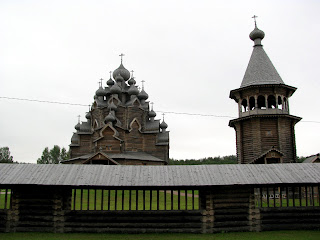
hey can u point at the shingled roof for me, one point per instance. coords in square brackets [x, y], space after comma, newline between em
[260, 69]
[158, 176]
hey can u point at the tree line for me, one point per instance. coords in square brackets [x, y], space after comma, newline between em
[57, 154]
[230, 159]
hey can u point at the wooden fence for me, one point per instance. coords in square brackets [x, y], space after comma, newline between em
[157, 209]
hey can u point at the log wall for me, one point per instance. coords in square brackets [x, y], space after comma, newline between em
[133, 221]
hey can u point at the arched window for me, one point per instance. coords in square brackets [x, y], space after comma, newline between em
[252, 103]
[272, 102]
[244, 105]
[280, 106]
[261, 102]
[285, 103]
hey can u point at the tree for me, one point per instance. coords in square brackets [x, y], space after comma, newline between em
[53, 156]
[231, 159]
[5, 156]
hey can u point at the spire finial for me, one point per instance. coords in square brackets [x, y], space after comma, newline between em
[151, 105]
[89, 107]
[78, 118]
[163, 117]
[132, 73]
[255, 20]
[121, 55]
[110, 73]
[100, 82]
[142, 83]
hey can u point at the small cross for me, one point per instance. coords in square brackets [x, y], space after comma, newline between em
[89, 107]
[121, 55]
[100, 82]
[132, 73]
[142, 83]
[255, 21]
[110, 73]
[151, 105]
[163, 116]
[79, 118]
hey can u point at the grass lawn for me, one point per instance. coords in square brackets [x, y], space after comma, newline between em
[274, 235]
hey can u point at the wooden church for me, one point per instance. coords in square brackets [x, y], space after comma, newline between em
[264, 128]
[121, 128]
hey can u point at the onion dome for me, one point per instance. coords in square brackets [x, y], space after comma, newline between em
[122, 71]
[119, 78]
[256, 33]
[143, 95]
[107, 91]
[75, 138]
[133, 90]
[101, 92]
[85, 127]
[163, 125]
[112, 106]
[115, 89]
[110, 82]
[132, 81]
[77, 127]
[88, 115]
[109, 118]
[152, 113]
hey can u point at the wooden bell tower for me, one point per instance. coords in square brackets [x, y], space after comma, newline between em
[264, 128]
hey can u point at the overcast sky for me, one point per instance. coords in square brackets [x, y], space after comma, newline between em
[190, 54]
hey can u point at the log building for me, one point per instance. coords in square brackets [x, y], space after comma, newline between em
[121, 127]
[264, 128]
[158, 199]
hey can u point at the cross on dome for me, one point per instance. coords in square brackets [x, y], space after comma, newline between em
[121, 55]
[78, 118]
[132, 73]
[142, 83]
[151, 105]
[100, 82]
[255, 20]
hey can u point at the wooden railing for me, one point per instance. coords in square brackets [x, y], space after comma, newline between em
[120, 199]
[286, 196]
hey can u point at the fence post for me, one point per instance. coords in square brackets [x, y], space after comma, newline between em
[62, 201]
[254, 214]
[206, 204]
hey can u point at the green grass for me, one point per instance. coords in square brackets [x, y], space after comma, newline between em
[3, 199]
[273, 235]
[116, 201]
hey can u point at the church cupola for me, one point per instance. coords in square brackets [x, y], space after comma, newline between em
[115, 89]
[133, 90]
[163, 125]
[110, 82]
[122, 71]
[264, 122]
[109, 118]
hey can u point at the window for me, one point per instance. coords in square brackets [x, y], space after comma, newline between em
[119, 199]
[5, 198]
[279, 196]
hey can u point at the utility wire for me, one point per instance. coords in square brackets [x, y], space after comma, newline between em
[178, 113]
[43, 101]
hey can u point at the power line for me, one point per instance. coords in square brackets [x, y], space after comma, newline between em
[171, 112]
[44, 101]
[197, 114]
